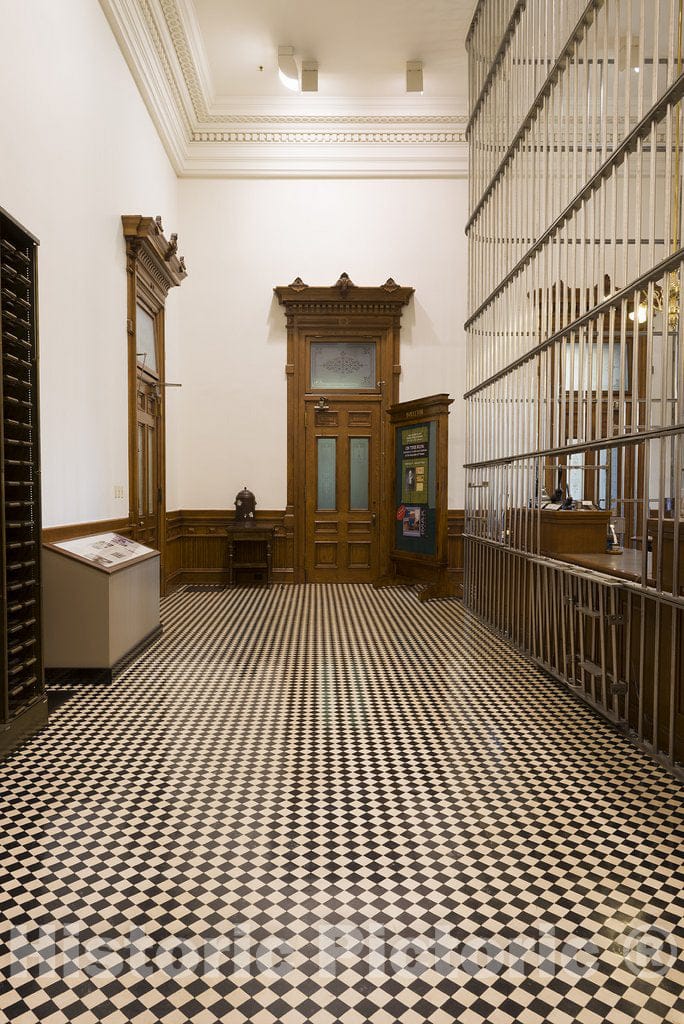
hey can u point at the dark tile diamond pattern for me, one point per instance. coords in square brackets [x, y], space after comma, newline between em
[329, 804]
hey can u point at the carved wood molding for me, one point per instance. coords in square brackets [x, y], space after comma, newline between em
[146, 243]
[344, 297]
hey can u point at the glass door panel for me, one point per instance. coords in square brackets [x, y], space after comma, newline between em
[343, 365]
[327, 473]
[358, 472]
[151, 483]
[145, 342]
[141, 469]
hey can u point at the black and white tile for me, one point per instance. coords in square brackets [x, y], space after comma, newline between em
[328, 804]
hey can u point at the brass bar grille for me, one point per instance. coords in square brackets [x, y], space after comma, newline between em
[575, 377]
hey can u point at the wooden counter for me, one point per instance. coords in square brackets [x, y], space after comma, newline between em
[627, 566]
[574, 532]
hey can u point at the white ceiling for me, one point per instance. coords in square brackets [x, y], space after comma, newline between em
[198, 65]
[361, 46]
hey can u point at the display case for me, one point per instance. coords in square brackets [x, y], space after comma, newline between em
[101, 603]
[23, 702]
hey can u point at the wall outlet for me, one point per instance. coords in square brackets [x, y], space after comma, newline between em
[119, 491]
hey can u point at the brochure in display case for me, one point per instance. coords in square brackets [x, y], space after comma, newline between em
[107, 551]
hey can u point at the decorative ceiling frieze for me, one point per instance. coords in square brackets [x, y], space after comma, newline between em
[161, 42]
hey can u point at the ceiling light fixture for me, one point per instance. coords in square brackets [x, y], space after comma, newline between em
[288, 72]
[309, 76]
[414, 76]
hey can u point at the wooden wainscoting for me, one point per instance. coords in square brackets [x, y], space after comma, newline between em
[197, 550]
[54, 534]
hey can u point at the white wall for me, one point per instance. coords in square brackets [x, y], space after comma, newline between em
[243, 237]
[77, 150]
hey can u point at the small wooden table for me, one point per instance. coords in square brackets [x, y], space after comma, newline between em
[250, 553]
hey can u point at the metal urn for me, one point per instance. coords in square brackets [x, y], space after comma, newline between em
[245, 504]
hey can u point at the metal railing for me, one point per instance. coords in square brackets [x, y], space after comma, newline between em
[575, 379]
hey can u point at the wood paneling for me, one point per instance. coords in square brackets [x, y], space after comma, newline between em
[574, 532]
[197, 547]
[55, 534]
[197, 544]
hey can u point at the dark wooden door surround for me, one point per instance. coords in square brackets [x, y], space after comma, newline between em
[342, 312]
[152, 269]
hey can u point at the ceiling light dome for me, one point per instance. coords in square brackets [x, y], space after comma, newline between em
[288, 72]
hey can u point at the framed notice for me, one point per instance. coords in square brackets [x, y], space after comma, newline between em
[418, 536]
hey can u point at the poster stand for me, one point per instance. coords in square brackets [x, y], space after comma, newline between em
[418, 533]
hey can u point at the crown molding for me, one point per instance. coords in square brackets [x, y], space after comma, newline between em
[161, 42]
[142, 51]
[190, 25]
[329, 160]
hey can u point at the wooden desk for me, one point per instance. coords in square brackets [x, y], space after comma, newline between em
[574, 532]
[250, 553]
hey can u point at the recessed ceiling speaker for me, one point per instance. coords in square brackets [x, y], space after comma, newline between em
[309, 76]
[414, 76]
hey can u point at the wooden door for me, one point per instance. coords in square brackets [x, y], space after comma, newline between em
[152, 268]
[342, 489]
[148, 488]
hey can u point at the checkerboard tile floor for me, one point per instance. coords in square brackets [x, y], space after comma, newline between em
[328, 804]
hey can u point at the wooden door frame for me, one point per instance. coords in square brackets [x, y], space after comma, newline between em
[346, 311]
[152, 268]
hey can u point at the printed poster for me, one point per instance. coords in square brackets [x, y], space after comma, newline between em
[415, 448]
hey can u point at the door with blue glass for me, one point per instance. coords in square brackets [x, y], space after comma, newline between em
[342, 464]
